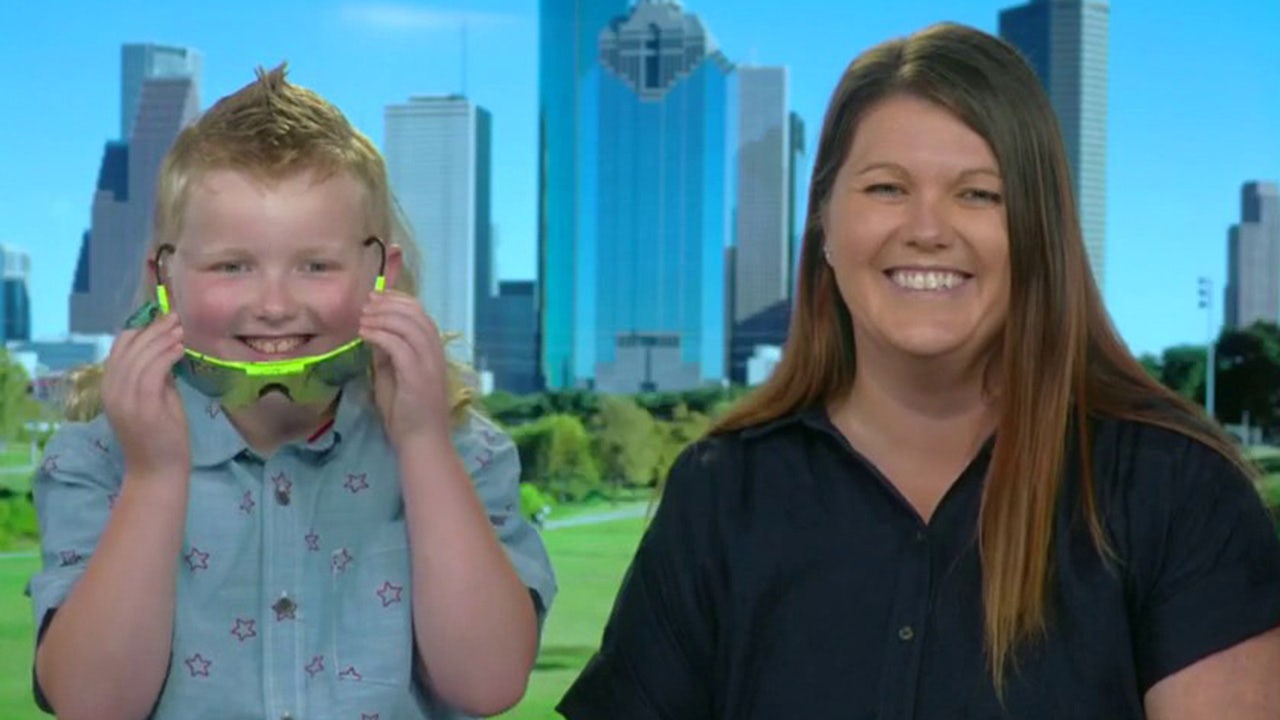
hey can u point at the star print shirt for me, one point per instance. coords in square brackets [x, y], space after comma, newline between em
[293, 580]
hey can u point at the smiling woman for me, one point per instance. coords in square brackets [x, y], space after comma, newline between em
[958, 495]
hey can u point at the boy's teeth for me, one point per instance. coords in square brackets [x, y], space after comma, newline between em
[274, 346]
[926, 280]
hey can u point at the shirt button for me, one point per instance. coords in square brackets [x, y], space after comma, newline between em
[286, 716]
[905, 633]
[284, 607]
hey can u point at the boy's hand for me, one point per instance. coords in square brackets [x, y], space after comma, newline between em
[410, 385]
[141, 401]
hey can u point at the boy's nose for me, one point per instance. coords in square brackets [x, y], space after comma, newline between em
[276, 299]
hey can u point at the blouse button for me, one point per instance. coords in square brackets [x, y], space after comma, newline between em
[905, 633]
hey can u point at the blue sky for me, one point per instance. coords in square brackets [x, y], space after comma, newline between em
[1194, 110]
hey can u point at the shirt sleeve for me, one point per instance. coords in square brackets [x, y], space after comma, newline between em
[1211, 562]
[656, 657]
[74, 489]
[493, 462]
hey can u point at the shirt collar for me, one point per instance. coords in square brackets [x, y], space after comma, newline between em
[813, 416]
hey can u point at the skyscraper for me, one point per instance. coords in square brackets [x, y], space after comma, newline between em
[654, 219]
[15, 303]
[508, 340]
[763, 264]
[111, 254]
[1066, 42]
[763, 258]
[438, 158]
[140, 62]
[568, 72]
[1253, 258]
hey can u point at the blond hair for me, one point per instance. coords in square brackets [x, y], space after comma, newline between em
[272, 129]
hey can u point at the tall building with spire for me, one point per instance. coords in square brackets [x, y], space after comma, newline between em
[439, 160]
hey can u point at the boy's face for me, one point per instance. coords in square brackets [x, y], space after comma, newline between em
[268, 271]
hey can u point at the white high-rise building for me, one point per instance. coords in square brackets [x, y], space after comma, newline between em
[438, 159]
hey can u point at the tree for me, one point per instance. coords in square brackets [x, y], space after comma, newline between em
[555, 453]
[16, 404]
[675, 435]
[626, 441]
[1248, 377]
[1152, 365]
[1182, 370]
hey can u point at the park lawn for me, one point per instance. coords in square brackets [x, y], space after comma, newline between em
[589, 562]
[15, 468]
[15, 639]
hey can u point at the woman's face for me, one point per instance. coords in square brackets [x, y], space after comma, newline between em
[917, 234]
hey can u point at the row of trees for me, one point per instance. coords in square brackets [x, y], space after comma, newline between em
[577, 444]
[1247, 379]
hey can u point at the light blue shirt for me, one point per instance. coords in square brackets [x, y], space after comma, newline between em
[293, 582]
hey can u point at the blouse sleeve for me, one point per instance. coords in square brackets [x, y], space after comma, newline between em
[1210, 562]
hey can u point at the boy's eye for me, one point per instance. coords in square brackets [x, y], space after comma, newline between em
[318, 266]
[230, 267]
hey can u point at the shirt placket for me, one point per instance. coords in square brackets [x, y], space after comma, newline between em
[906, 629]
[282, 582]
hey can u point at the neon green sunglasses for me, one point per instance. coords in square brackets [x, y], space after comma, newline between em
[309, 379]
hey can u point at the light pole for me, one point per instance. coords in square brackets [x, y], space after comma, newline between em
[1210, 368]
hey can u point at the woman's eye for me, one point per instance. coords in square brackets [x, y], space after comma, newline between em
[982, 196]
[884, 190]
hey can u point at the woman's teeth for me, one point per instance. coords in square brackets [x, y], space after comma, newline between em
[926, 279]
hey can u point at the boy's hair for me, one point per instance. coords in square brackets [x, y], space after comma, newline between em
[272, 129]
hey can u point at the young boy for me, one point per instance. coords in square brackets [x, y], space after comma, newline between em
[327, 546]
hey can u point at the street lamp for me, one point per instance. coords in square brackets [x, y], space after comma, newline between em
[1210, 368]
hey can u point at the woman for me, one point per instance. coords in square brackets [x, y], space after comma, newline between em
[959, 496]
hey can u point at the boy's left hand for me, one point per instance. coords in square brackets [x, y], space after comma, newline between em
[410, 384]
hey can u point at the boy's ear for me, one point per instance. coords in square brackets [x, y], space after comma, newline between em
[395, 264]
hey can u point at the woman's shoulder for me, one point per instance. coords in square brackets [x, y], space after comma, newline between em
[1128, 447]
[1156, 474]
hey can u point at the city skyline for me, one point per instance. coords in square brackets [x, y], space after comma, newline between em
[1172, 182]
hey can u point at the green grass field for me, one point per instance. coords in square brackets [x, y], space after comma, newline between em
[15, 461]
[15, 640]
[589, 562]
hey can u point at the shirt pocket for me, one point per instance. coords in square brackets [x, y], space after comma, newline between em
[373, 618]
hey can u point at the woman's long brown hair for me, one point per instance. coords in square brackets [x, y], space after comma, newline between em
[1061, 361]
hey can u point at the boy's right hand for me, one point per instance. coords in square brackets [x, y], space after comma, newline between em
[142, 402]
